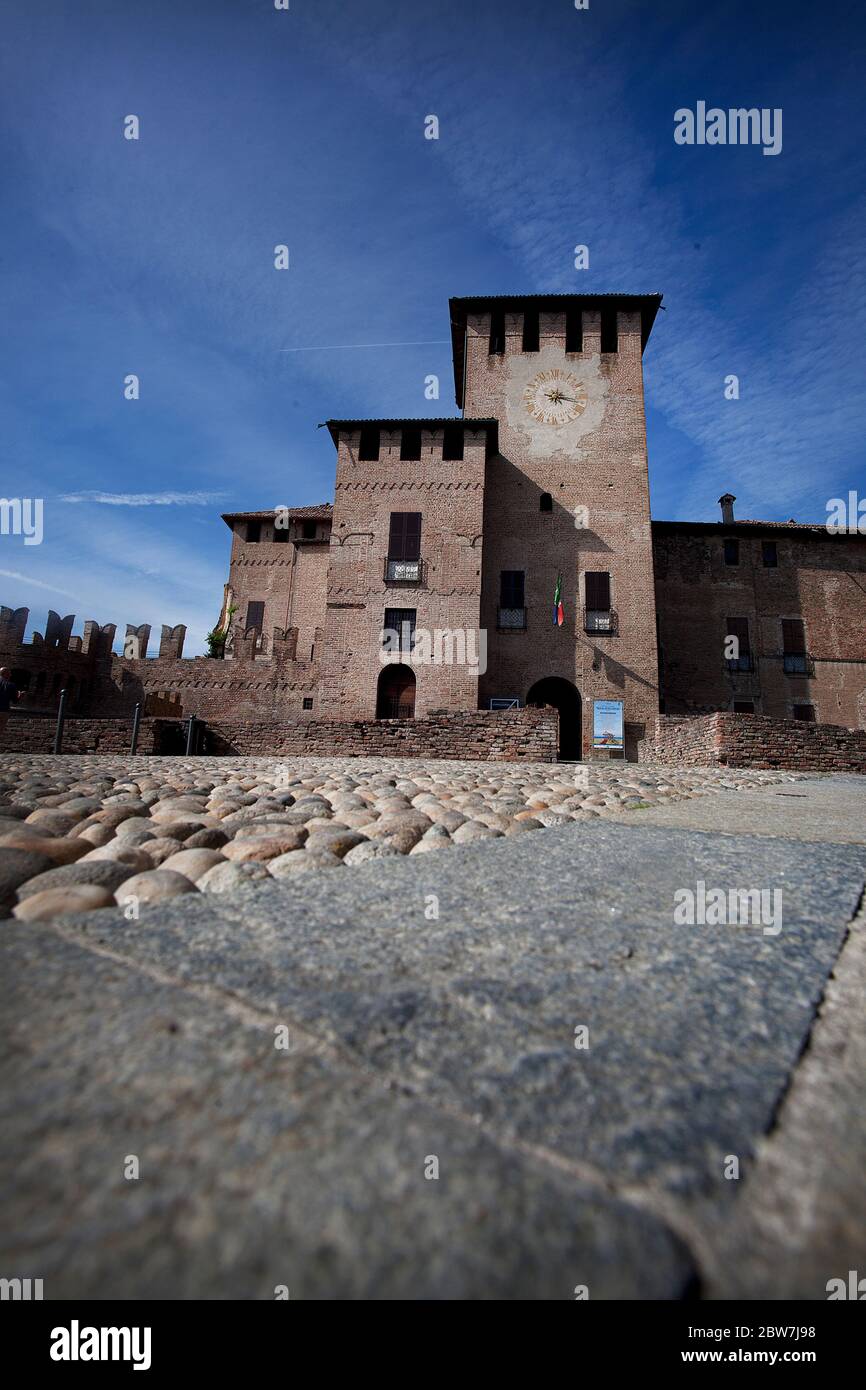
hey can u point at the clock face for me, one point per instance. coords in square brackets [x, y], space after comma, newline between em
[554, 397]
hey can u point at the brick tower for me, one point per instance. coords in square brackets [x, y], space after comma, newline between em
[567, 493]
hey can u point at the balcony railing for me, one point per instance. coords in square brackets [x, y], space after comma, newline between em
[404, 571]
[798, 664]
[511, 619]
[744, 662]
[601, 621]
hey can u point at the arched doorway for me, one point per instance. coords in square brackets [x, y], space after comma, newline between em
[395, 693]
[565, 698]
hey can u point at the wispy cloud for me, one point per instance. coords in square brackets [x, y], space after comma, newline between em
[145, 499]
[34, 583]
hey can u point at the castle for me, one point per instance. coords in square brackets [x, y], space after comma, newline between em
[477, 528]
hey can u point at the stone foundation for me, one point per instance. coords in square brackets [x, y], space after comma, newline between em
[755, 740]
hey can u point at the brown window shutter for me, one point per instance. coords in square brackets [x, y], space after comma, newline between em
[793, 637]
[395, 536]
[739, 628]
[511, 589]
[597, 591]
[404, 539]
[255, 614]
[413, 536]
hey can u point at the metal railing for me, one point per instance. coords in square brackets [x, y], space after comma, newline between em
[601, 620]
[404, 571]
[798, 664]
[511, 619]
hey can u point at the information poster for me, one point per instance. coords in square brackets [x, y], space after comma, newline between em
[607, 725]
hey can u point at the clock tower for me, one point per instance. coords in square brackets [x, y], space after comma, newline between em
[567, 494]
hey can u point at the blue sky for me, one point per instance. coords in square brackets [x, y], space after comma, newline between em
[305, 127]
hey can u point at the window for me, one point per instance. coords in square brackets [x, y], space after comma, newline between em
[308, 702]
[404, 547]
[794, 646]
[805, 712]
[573, 330]
[308, 530]
[399, 630]
[739, 628]
[281, 534]
[597, 611]
[769, 555]
[497, 332]
[511, 588]
[530, 331]
[255, 614]
[254, 531]
[608, 330]
[744, 707]
[545, 503]
[410, 444]
[368, 447]
[512, 606]
[732, 552]
[597, 591]
[452, 444]
[404, 540]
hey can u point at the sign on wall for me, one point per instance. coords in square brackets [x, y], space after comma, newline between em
[504, 702]
[607, 724]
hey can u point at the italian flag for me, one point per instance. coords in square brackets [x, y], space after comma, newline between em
[558, 614]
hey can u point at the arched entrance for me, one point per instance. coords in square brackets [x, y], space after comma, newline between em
[395, 693]
[565, 698]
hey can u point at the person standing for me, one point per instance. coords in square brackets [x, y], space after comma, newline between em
[8, 695]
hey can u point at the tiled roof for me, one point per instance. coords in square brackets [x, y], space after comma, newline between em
[321, 511]
[736, 525]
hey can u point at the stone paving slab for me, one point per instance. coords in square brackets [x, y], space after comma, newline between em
[693, 1030]
[260, 1168]
[456, 1032]
[828, 809]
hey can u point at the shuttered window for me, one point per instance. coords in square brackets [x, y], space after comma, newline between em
[511, 589]
[404, 539]
[597, 591]
[739, 628]
[256, 614]
[793, 637]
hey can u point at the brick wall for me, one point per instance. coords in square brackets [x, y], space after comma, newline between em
[754, 740]
[819, 578]
[28, 733]
[449, 495]
[528, 735]
[597, 463]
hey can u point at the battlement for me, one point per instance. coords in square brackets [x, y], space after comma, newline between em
[96, 641]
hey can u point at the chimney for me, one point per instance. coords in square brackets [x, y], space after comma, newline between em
[726, 502]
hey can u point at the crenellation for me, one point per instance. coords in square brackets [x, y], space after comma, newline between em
[171, 641]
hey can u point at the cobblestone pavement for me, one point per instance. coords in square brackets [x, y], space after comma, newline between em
[83, 832]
